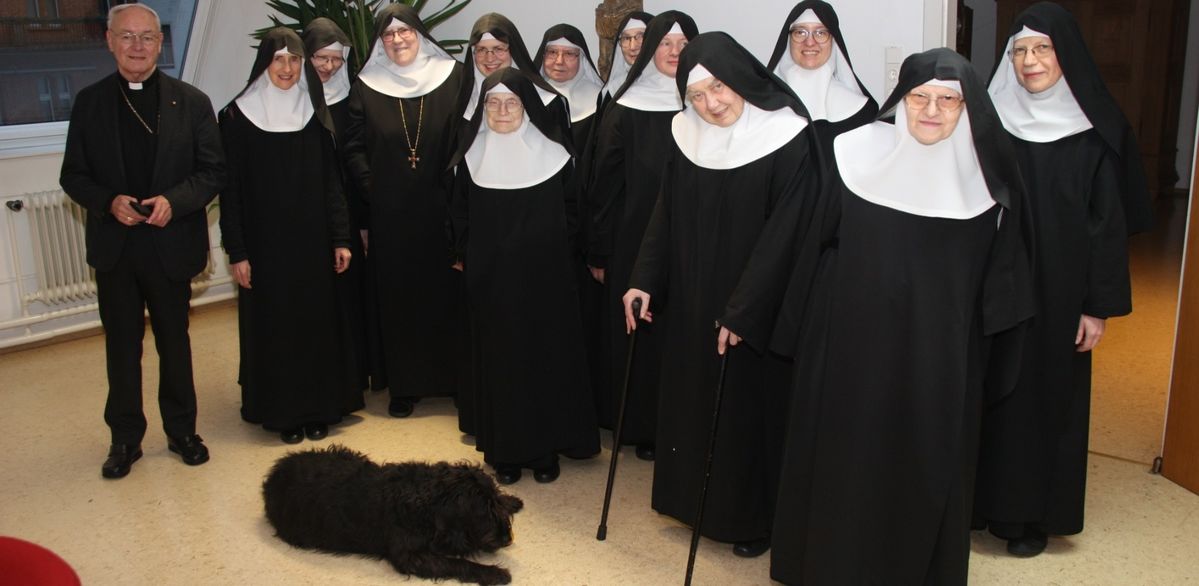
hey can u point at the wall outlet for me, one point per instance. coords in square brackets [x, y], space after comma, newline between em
[893, 59]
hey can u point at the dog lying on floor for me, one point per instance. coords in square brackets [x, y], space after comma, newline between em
[423, 518]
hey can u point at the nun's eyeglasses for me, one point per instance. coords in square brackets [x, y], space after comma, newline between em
[820, 35]
[633, 38]
[323, 60]
[500, 52]
[567, 54]
[1040, 50]
[947, 103]
[510, 105]
[402, 33]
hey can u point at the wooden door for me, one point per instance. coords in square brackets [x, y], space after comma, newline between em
[1132, 42]
[1180, 452]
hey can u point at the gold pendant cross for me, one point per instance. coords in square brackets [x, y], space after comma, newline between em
[413, 159]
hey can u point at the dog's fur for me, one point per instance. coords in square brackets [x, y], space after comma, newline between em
[423, 518]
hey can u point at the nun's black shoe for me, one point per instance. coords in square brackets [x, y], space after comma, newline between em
[1032, 544]
[645, 452]
[120, 460]
[547, 474]
[316, 431]
[507, 474]
[400, 407]
[292, 436]
[191, 448]
[751, 549]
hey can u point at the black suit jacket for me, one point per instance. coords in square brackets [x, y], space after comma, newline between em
[189, 169]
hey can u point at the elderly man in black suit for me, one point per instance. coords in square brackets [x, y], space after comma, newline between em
[144, 157]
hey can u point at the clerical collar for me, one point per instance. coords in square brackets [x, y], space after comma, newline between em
[141, 85]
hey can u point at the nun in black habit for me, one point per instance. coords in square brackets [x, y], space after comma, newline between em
[631, 146]
[285, 227]
[1087, 193]
[495, 44]
[743, 156]
[811, 56]
[403, 120]
[328, 48]
[905, 273]
[510, 216]
[565, 64]
[627, 45]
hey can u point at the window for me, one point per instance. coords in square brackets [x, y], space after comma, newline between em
[60, 48]
[43, 8]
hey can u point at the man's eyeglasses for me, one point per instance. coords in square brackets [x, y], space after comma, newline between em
[128, 38]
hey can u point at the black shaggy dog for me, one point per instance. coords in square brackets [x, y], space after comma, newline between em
[423, 518]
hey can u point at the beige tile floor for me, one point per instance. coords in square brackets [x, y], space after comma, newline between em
[170, 524]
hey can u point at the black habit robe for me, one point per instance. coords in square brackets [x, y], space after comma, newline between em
[1086, 194]
[593, 302]
[631, 146]
[892, 317]
[705, 225]
[420, 297]
[531, 400]
[283, 211]
[356, 284]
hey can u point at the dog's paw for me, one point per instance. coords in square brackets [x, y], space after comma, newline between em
[494, 575]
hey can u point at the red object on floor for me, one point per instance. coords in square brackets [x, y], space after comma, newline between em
[22, 562]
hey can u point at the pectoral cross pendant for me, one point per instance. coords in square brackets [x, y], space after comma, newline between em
[413, 159]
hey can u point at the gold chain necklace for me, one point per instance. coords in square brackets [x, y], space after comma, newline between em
[157, 119]
[412, 158]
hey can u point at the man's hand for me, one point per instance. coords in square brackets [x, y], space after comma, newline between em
[597, 273]
[241, 273]
[365, 241]
[341, 259]
[161, 214]
[121, 210]
[458, 266]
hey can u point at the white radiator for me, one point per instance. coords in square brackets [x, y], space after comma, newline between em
[56, 232]
[56, 227]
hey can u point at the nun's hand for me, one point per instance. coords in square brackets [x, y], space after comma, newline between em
[597, 273]
[365, 241]
[161, 214]
[341, 259]
[726, 340]
[458, 266]
[241, 273]
[630, 322]
[1090, 330]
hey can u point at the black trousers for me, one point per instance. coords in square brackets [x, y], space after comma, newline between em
[136, 282]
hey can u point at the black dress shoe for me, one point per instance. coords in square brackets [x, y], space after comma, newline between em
[547, 474]
[191, 448]
[400, 407]
[1032, 544]
[316, 431]
[120, 460]
[645, 452]
[751, 549]
[292, 436]
[507, 474]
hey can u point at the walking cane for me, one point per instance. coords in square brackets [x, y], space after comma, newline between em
[602, 533]
[703, 491]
